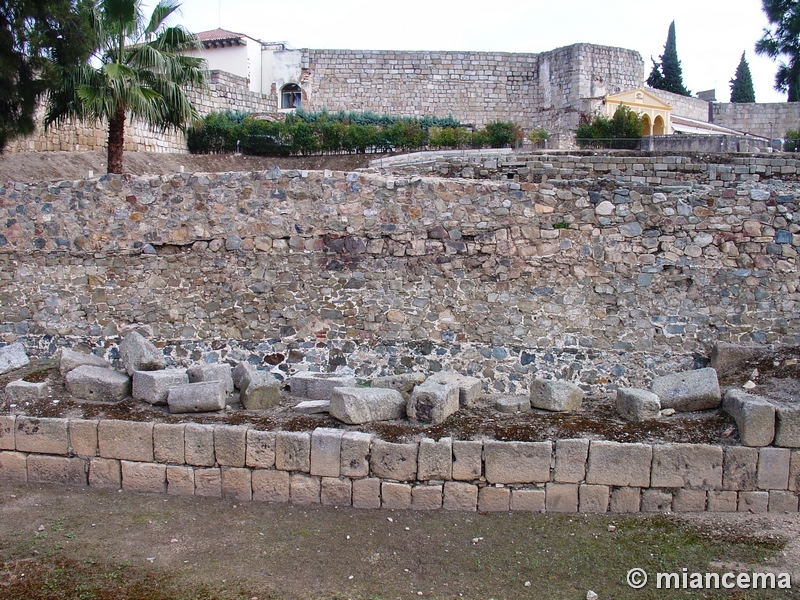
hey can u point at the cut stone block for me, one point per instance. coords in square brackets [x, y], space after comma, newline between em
[794, 472]
[787, 424]
[56, 469]
[169, 443]
[593, 498]
[655, 500]
[139, 354]
[625, 500]
[561, 497]
[530, 500]
[367, 493]
[238, 373]
[199, 445]
[7, 432]
[637, 405]
[125, 440]
[336, 491]
[270, 486]
[354, 454]
[754, 416]
[403, 383]
[426, 497]
[326, 449]
[208, 482]
[688, 391]
[259, 390]
[782, 501]
[512, 404]
[773, 468]
[433, 401]
[493, 499]
[517, 462]
[395, 495]
[99, 384]
[618, 464]
[731, 359]
[83, 437]
[312, 407]
[153, 386]
[260, 449]
[13, 466]
[753, 502]
[557, 396]
[394, 461]
[230, 445]
[13, 357]
[236, 483]
[687, 465]
[212, 372]
[318, 386]
[42, 435]
[435, 459]
[304, 489]
[571, 458]
[686, 500]
[740, 469]
[469, 388]
[467, 460]
[70, 360]
[180, 480]
[144, 477]
[460, 496]
[293, 451]
[196, 397]
[27, 391]
[105, 473]
[354, 405]
[720, 501]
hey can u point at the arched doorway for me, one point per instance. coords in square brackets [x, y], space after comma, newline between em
[291, 96]
[646, 128]
[658, 126]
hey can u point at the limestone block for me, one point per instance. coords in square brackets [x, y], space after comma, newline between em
[326, 449]
[688, 391]
[180, 480]
[729, 359]
[7, 432]
[144, 477]
[687, 465]
[105, 473]
[355, 405]
[394, 461]
[139, 354]
[686, 500]
[56, 469]
[12, 357]
[318, 386]
[517, 462]
[270, 486]
[304, 489]
[637, 405]
[593, 498]
[754, 416]
[125, 440]
[561, 497]
[208, 482]
[460, 496]
[787, 425]
[625, 500]
[433, 401]
[153, 386]
[26, 391]
[435, 459]
[722, 501]
[260, 449]
[529, 500]
[98, 383]
[293, 451]
[69, 360]
[794, 472]
[403, 383]
[196, 397]
[45, 435]
[354, 453]
[571, 455]
[238, 373]
[336, 491]
[512, 404]
[426, 497]
[618, 464]
[558, 396]
[395, 495]
[782, 501]
[13, 466]
[469, 388]
[230, 445]
[198, 445]
[773, 468]
[753, 502]
[656, 500]
[260, 390]
[169, 443]
[83, 437]
[494, 499]
[467, 459]
[207, 373]
[367, 493]
[236, 483]
[312, 407]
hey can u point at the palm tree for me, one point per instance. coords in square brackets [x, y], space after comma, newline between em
[139, 70]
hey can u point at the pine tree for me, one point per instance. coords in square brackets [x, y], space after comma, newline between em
[783, 39]
[742, 83]
[671, 66]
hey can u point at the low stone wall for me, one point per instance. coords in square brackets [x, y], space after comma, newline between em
[349, 468]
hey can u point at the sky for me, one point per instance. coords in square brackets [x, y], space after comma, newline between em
[711, 35]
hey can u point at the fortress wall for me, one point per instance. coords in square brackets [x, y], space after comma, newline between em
[684, 106]
[767, 120]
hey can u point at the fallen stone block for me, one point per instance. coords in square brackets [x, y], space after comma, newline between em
[433, 401]
[196, 397]
[688, 391]
[318, 386]
[13, 357]
[512, 404]
[211, 372]
[754, 416]
[637, 405]
[354, 405]
[139, 354]
[153, 386]
[238, 373]
[97, 383]
[787, 424]
[312, 407]
[403, 383]
[70, 360]
[259, 390]
[729, 359]
[469, 388]
[557, 396]
[27, 391]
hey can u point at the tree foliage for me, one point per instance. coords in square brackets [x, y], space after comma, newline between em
[622, 131]
[782, 39]
[667, 74]
[742, 83]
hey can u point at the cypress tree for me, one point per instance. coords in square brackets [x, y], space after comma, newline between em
[742, 83]
[656, 79]
[671, 66]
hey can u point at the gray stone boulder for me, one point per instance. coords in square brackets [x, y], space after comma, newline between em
[139, 354]
[238, 373]
[787, 424]
[556, 396]
[312, 407]
[70, 360]
[356, 405]
[754, 416]
[469, 388]
[211, 372]
[259, 390]
[433, 401]
[512, 404]
[153, 386]
[13, 357]
[637, 405]
[318, 386]
[27, 391]
[98, 383]
[689, 390]
[203, 396]
[729, 359]
[403, 383]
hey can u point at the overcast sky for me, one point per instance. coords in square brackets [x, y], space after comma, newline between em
[711, 35]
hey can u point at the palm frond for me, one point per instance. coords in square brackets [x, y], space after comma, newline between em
[161, 13]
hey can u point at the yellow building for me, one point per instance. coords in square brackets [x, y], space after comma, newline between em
[655, 113]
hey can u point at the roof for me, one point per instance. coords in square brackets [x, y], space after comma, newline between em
[638, 97]
[687, 125]
[220, 37]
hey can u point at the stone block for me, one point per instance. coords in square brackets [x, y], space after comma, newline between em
[260, 449]
[259, 391]
[732, 359]
[687, 465]
[198, 445]
[754, 416]
[139, 354]
[517, 462]
[304, 489]
[98, 384]
[787, 424]
[403, 383]
[794, 471]
[105, 473]
[367, 493]
[689, 390]
[336, 491]
[394, 461]
[561, 497]
[180, 480]
[494, 499]
[83, 437]
[773, 468]
[740, 469]
[618, 464]
[557, 396]
[7, 432]
[395, 495]
[529, 500]
[433, 401]
[144, 477]
[722, 501]
[236, 483]
[230, 445]
[467, 459]
[169, 444]
[460, 496]
[571, 455]
[435, 459]
[69, 360]
[153, 386]
[326, 450]
[656, 500]
[270, 486]
[469, 388]
[56, 469]
[512, 404]
[12, 357]
[125, 440]
[207, 373]
[356, 405]
[686, 500]
[593, 498]
[238, 373]
[208, 482]
[783, 501]
[13, 466]
[293, 451]
[354, 454]
[753, 502]
[426, 497]
[196, 397]
[637, 405]
[625, 500]
[318, 386]
[42, 435]
[20, 391]
[312, 407]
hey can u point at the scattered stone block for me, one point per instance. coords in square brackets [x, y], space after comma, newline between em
[687, 465]
[618, 464]
[433, 401]
[494, 499]
[731, 359]
[144, 477]
[105, 473]
[7, 432]
[571, 458]
[326, 449]
[56, 469]
[125, 440]
[208, 482]
[13, 466]
[773, 468]
[270, 486]
[260, 449]
[169, 443]
[336, 491]
[688, 391]
[42, 435]
[83, 437]
[318, 386]
[637, 405]
[740, 469]
[354, 454]
[593, 498]
[304, 489]
[180, 480]
[787, 424]
[238, 373]
[312, 407]
[354, 405]
[230, 445]
[782, 501]
[426, 497]
[512, 404]
[98, 383]
[198, 445]
[655, 500]
[754, 416]
[196, 397]
[27, 391]
[529, 500]
[561, 497]
[259, 390]
[153, 386]
[722, 501]
[753, 502]
[435, 459]
[70, 360]
[236, 483]
[467, 459]
[460, 496]
[367, 493]
[139, 354]
[293, 451]
[212, 372]
[686, 500]
[557, 396]
[469, 388]
[625, 500]
[394, 461]
[403, 383]
[517, 462]
[395, 495]
[12, 357]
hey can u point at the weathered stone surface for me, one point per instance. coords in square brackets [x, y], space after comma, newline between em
[293, 451]
[593, 498]
[304, 489]
[212, 372]
[336, 491]
[517, 462]
[394, 461]
[238, 373]
[740, 469]
[529, 500]
[467, 459]
[689, 390]
[403, 383]
[469, 388]
[140, 354]
[794, 471]
[787, 424]
[354, 453]
[98, 383]
[729, 359]
[721, 501]
[7, 432]
[56, 469]
[655, 500]
[42, 435]
[367, 493]
[625, 500]
[259, 390]
[69, 360]
[26, 391]
[617, 464]
[753, 502]
[270, 486]
[395, 496]
[435, 459]
[106, 473]
[125, 440]
[196, 397]
[83, 437]
[198, 445]
[260, 449]
[687, 465]
[13, 466]
[236, 483]
[144, 477]
[553, 395]
[773, 468]
[153, 386]
[426, 497]
[493, 499]
[460, 496]
[13, 357]
[318, 386]
[782, 501]
[208, 482]
[326, 448]
[754, 416]
[512, 404]
[312, 407]
[561, 497]
[354, 405]
[686, 500]
[637, 405]
[433, 401]
[230, 446]
[180, 480]
[571, 458]
[169, 443]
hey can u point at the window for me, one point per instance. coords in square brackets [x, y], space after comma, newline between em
[290, 96]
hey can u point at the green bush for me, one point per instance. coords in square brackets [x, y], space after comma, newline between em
[501, 134]
[621, 131]
[792, 141]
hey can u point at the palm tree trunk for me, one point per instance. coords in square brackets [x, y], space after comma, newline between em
[116, 140]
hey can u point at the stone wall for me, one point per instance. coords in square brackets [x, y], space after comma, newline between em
[767, 120]
[338, 468]
[683, 106]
